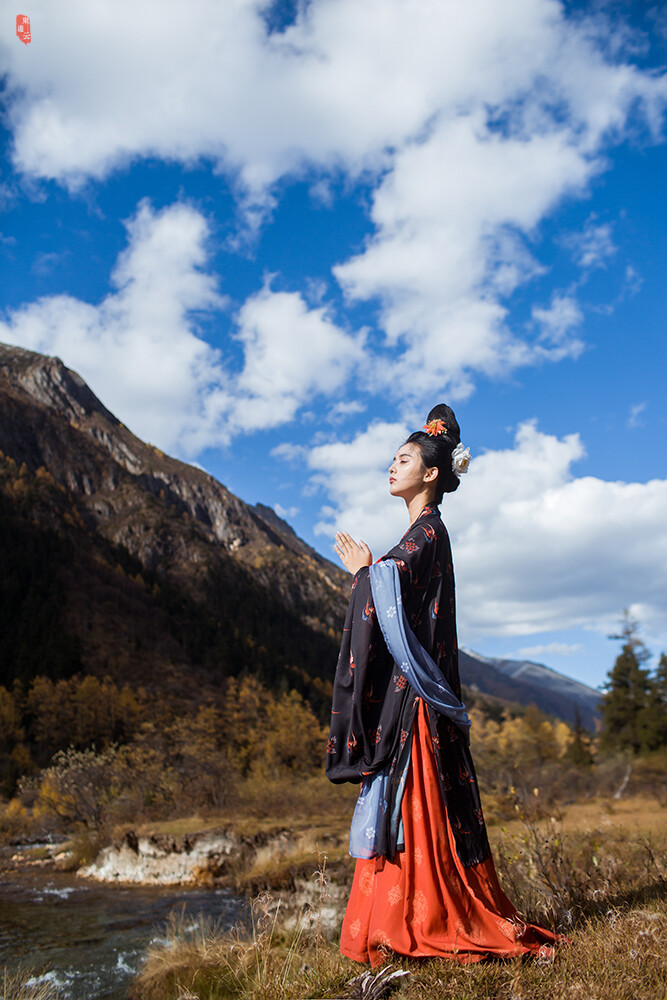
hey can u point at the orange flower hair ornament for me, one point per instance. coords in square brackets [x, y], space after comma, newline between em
[435, 428]
[460, 455]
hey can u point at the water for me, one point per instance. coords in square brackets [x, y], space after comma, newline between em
[88, 938]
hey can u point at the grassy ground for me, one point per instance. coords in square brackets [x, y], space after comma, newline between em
[597, 871]
[23, 986]
[619, 955]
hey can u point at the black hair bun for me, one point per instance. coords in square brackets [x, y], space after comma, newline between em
[446, 415]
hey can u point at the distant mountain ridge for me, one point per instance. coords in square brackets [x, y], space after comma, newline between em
[531, 683]
[166, 572]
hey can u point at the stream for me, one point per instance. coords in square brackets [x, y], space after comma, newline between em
[88, 937]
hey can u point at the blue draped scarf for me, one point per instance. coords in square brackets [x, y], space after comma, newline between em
[426, 679]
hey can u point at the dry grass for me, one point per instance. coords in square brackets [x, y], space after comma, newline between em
[269, 802]
[24, 985]
[266, 963]
[267, 805]
[323, 814]
[632, 814]
[282, 826]
[619, 956]
[608, 895]
[616, 956]
[557, 879]
[281, 870]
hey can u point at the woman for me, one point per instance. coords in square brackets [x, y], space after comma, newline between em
[424, 883]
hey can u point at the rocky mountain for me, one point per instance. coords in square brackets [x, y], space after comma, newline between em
[531, 683]
[157, 568]
[50, 418]
[119, 560]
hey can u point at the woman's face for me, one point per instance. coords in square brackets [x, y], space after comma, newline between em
[407, 473]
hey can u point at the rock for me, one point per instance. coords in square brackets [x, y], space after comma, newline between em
[163, 860]
[131, 841]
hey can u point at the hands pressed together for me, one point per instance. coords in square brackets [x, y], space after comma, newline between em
[352, 554]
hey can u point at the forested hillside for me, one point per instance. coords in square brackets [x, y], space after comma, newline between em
[123, 561]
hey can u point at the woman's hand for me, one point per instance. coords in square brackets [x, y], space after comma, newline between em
[352, 554]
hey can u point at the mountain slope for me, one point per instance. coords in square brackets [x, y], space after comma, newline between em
[161, 562]
[49, 417]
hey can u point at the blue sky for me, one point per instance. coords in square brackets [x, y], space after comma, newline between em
[272, 236]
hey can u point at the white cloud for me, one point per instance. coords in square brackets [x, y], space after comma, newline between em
[536, 549]
[346, 82]
[593, 246]
[633, 281]
[291, 353]
[45, 263]
[635, 419]
[285, 512]
[548, 649]
[447, 247]
[558, 322]
[141, 351]
[355, 477]
[344, 409]
[289, 452]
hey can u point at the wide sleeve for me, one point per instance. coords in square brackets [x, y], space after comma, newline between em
[371, 697]
[359, 734]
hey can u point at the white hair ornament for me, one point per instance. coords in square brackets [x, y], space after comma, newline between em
[460, 460]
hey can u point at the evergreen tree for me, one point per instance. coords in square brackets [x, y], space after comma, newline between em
[578, 751]
[655, 724]
[625, 703]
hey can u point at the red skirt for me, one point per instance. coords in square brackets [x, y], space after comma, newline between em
[425, 903]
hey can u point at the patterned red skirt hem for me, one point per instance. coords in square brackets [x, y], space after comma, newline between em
[426, 903]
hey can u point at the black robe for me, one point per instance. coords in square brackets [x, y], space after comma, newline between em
[374, 706]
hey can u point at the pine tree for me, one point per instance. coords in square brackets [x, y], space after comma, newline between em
[627, 696]
[655, 723]
[578, 751]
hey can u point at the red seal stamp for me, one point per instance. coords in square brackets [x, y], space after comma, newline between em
[23, 28]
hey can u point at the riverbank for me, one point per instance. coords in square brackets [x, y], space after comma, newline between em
[251, 853]
[278, 859]
[84, 933]
[246, 854]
